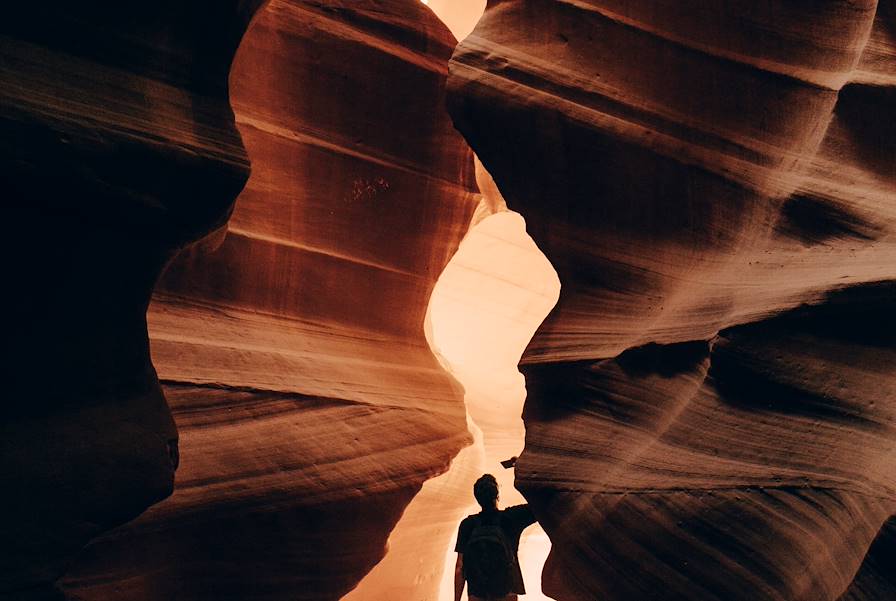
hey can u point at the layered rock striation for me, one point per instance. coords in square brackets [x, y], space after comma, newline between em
[709, 411]
[293, 355]
[118, 149]
[875, 578]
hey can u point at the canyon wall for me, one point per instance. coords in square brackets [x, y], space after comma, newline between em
[309, 405]
[290, 349]
[118, 149]
[710, 410]
[875, 578]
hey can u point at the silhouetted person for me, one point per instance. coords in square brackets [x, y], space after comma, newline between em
[487, 544]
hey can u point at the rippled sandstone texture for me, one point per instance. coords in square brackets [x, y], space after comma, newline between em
[710, 410]
[309, 405]
[118, 149]
[875, 579]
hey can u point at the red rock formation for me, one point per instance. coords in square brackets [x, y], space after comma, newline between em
[711, 408]
[309, 405]
[875, 578]
[694, 173]
[119, 148]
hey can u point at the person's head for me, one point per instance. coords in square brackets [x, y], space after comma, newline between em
[486, 491]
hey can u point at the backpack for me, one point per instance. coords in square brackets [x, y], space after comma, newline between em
[488, 559]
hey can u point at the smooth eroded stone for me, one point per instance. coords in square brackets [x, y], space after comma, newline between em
[118, 149]
[310, 406]
[695, 175]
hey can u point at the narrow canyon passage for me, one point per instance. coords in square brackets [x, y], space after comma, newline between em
[487, 304]
[485, 308]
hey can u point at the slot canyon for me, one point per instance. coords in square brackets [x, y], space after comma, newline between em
[287, 276]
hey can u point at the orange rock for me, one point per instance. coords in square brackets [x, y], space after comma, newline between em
[695, 173]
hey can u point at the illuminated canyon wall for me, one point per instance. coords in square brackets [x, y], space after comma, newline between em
[710, 411]
[309, 405]
[291, 351]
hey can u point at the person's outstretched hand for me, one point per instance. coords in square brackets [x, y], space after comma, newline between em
[509, 463]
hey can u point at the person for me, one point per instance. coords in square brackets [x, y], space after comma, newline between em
[487, 546]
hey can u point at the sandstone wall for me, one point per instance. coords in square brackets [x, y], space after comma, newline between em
[118, 149]
[309, 405]
[709, 411]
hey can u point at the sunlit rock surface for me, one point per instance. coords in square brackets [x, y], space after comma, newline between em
[293, 355]
[710, 410]
[118, 149]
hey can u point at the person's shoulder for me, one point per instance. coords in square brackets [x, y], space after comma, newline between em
[469, 519]
[464, 530]
[519, 513]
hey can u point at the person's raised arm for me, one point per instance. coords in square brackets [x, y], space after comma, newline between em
[521, 515]
[459, 577]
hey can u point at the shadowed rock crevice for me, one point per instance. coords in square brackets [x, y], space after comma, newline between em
[875, 579]
[118, 149]
[748, 361]
[874, 135]
[553, 387]
[860, 314]
[813, 221]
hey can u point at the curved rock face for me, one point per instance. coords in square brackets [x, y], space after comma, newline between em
[309, 405]
[709, 411]
[119, 148]
[875, 578]
[723, 454]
